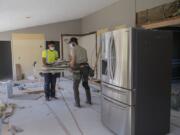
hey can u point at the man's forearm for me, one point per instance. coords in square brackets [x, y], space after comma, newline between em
[72, 62]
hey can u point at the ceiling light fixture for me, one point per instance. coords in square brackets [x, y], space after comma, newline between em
[28, 17]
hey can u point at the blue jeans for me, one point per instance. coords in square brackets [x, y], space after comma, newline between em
[50, 85]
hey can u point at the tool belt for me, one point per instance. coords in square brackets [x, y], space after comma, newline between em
[83, 65]
[79, 67]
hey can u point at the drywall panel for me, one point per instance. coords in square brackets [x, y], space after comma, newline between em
[122, 12]
[147, 4]
[27, 49]
[51, 31]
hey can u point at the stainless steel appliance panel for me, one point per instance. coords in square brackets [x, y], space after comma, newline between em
[106, 40]
[119, 116]
[116, 58]
[105, 111]
[126, 102]
[122, 95]
[120, 59]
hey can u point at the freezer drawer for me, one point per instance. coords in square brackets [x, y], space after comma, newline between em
[117, 117]
[122, 95]
[105, 112]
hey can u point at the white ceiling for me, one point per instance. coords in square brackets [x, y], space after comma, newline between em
[13, 13]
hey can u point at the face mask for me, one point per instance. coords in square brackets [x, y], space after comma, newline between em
[52, 48]
[71, 45]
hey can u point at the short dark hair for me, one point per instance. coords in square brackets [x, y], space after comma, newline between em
[74, 40]
[51, 43]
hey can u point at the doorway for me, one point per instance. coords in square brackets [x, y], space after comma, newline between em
[5, 60]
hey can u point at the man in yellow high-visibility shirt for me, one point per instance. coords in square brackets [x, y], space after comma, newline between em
[49, 57]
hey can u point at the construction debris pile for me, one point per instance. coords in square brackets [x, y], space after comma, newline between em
[6, 111]
[22, 90]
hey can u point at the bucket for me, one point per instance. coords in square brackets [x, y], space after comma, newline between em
[9, 89]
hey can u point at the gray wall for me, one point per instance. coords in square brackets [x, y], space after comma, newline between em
[51, 31]
[122, 12]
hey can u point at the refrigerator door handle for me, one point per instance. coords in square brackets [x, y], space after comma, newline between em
[110, 59]
[110, 100]
[129, 59]
[115, 88]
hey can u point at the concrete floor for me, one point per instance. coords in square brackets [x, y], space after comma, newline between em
[60, 117]
[38, 117]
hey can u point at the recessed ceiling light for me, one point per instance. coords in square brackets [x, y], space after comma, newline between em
[28, 17]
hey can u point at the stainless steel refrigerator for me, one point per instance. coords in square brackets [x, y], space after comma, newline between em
[136, 73]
